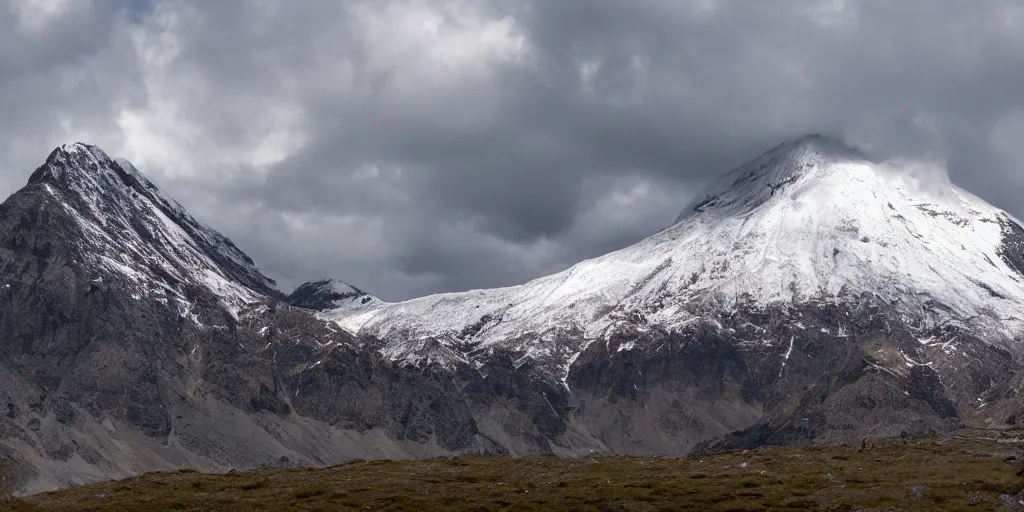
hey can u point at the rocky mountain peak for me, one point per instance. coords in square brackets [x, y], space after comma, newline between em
[76, 167]
[328, 294]
[72, 156]
[97, 185]
[128, 227]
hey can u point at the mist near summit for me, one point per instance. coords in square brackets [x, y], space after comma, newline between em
[414, 147]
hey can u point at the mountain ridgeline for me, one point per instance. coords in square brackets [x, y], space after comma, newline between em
[812, 295]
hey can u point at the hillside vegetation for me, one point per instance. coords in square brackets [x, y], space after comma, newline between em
[954, 473]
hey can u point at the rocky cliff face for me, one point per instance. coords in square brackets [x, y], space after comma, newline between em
[779, 309]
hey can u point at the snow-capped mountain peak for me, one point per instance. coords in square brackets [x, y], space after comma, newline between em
[811, 219]
[760, 179]
[329, 294]
[130, 228]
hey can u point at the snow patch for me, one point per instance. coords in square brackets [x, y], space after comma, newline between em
[785, 357]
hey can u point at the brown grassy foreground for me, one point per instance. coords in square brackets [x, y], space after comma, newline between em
[924, 474]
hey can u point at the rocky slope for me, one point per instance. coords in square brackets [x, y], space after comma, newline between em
[811, 295]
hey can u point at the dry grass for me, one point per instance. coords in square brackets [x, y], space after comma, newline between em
[947, 474]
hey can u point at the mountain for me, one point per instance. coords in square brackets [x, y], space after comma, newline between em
[128, 226]
[135, 338]
[811, 271]
[809, 220]
[812, 295]
[329, 294]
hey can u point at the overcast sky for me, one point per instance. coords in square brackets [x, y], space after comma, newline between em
[412, 147]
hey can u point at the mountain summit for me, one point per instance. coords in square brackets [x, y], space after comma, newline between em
[759, 180]
[328, 294]
[128, 225]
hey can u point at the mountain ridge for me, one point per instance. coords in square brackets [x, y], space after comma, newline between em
[134, 338]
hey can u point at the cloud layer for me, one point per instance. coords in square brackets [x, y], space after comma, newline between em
[412, 147]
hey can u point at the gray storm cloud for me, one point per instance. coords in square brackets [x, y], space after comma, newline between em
[412, 147]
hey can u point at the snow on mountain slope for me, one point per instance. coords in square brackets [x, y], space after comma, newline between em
[809, 218]
[135, 231]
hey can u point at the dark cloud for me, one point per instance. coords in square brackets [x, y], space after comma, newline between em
[415, 146]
